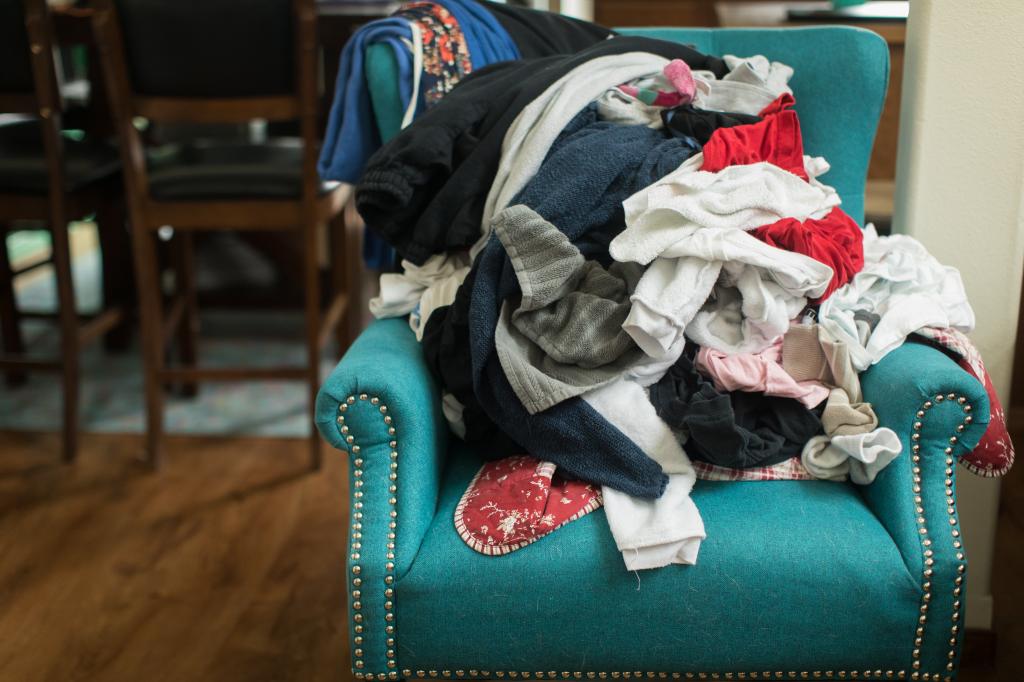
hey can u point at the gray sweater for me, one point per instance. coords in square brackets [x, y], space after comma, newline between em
[565, 335]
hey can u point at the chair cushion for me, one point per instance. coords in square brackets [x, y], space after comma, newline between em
[792, 576]
[23, 160]
[227, 169]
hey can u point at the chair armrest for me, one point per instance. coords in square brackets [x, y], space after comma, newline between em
[939, 412]
[382, 407]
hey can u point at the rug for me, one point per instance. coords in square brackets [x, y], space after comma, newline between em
[112, 386]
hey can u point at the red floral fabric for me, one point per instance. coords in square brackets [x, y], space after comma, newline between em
[515, 501]
[446, 58]
[994, 453]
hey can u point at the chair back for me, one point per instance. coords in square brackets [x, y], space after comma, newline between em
[16, 74]
[840, 78]
[27, 41]
[209, 48]
[208, 61]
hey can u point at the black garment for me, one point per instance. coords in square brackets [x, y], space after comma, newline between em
[591, 168]
[424, 192]
[737, 430]
[447, 353]
[539, 34]
[688, 121]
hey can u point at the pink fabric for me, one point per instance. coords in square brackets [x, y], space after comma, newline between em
[790, 470]
[758, 373]
[679, 75]
[515, 501]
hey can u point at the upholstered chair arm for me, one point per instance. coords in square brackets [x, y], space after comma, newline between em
[382, 408]
[939, 412]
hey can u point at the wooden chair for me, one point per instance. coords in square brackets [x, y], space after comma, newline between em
[204, 62]
[48, 178]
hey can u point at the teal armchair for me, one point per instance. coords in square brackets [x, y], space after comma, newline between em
[796, 580]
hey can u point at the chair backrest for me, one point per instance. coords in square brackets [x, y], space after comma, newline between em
[207, 61]
[209, 48]
[841, 75]
[28, 39]
[16, 69]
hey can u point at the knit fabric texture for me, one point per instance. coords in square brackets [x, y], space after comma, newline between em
[565, 337]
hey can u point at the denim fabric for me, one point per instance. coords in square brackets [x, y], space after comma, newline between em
[346, 145]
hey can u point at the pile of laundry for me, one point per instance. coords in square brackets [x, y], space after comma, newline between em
[627, 274]
[433, 45]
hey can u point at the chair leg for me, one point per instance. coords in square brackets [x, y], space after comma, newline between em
[118, 287]
[188, 329]
[311, 272]
[68, 318]
[10, 319]
[339, 280]
[354, 271]
[147, 277]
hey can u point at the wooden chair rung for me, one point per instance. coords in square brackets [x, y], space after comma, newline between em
[173, 318]
[99, 325]
[32, 266]
[193, 374]
[333, 316]
[31, 364]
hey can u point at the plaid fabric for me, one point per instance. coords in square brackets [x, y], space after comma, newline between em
[790, 470]
[994, 453]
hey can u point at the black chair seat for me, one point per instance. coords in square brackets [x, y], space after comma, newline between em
[23, 160]
[222, 169]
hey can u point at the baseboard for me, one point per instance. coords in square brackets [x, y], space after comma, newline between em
[979, 612]
[979, 649]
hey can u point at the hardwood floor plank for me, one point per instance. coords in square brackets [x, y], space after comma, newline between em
[227, 566]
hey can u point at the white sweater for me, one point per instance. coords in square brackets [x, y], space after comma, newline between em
[707, 275]
[905, 287]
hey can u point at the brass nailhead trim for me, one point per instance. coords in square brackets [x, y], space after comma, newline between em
[955, 538]
[926, 586]
[358, 661]
[636, 674]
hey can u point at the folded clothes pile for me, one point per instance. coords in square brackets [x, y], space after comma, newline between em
[627, 274]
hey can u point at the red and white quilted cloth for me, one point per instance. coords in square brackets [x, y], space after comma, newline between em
[518, 500]
[790, 470]
[994, 454]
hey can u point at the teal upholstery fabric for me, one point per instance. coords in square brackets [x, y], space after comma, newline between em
[791, 577]
[918, 390]
[381, 70]
[839, 81]
[384, 369]
[807, 576]
[807, 580]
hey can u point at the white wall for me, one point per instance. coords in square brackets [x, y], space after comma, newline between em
[960, 178]
[581, 9]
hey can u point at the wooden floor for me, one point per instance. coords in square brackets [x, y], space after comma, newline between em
[226, 566]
